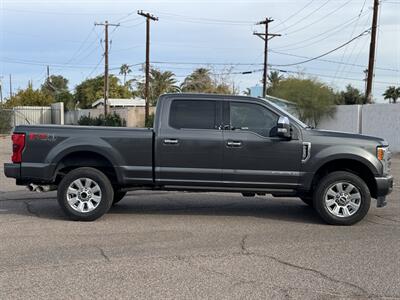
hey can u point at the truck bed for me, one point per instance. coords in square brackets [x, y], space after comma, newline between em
[128, 150]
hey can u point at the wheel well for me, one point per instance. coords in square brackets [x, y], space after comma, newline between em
[349, 165]
[85, 159]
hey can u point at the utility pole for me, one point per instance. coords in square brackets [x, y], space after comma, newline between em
[148, 17]
[1, 89]
[106, 85]
[266, 36]
[10, 87]
[372, 47]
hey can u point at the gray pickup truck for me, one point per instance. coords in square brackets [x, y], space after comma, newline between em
[205, 143]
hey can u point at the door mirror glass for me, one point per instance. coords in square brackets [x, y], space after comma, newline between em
[283, 128]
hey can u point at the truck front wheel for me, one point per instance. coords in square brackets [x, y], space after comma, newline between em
[85, 194]
[342, 198]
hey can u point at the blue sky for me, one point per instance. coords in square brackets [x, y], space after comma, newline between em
[189, 34]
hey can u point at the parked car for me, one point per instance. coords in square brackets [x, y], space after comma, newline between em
[205, 142]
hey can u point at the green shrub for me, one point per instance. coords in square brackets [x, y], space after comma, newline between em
[113, 120]
[150, 121]
[5, 121]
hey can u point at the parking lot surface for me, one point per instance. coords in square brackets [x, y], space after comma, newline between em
[194, 245]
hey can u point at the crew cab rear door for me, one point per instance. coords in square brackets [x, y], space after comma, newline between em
[189, 143]
[252, 155]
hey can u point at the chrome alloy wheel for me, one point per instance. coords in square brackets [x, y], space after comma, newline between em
[342, 199]
[84, 195]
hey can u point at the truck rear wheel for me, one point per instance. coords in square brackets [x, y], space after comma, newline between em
[342, 198]
[85, 194]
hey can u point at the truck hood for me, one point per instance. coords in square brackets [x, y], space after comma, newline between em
[347, 138]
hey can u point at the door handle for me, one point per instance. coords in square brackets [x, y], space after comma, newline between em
[234, 143]
[170, 141]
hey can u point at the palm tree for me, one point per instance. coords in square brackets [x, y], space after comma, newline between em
[160, 82]
[199, 81]
[125, 70]
[392, 93]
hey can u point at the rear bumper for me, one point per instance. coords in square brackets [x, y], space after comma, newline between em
[26, 173]
[12, 170]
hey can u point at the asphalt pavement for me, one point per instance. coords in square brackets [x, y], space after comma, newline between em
[185, 246]
[173, 245]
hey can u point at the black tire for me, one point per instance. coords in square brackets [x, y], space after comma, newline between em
[118, 196]
[106, 194]
[343, 178]
[307, 200]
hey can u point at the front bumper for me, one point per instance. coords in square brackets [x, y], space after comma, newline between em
[12, 170]
[384, 186]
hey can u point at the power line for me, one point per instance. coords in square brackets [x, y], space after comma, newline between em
[326, 53]
[58, 13]
[295, 14]
[205, 20]
[318, 20]
[334, 30]
[95, 68]
[334, 61]
[343, 67]
[310, 14]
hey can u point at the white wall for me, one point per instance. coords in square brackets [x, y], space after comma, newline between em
[381, 120]
[345, 119]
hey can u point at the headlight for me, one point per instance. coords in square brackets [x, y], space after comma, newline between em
[383, 154]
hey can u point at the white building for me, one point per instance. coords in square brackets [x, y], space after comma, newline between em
[115, 102]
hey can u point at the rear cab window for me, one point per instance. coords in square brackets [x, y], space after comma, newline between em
[193, 114]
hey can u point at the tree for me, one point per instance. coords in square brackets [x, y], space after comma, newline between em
[92, 89]
[160, 82]
[199, 81]
[314, 100]
[56, 86]
[351, 96]
[392, 93]
[274, 78]
[125, 70]
[29, 97]
[202, 81]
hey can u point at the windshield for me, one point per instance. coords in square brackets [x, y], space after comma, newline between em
[287, 113]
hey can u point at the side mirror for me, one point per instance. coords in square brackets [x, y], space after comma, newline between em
[283, 128]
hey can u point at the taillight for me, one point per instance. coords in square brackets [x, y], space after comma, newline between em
[18, 140]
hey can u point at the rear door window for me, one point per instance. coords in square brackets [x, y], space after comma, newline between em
[193, 114]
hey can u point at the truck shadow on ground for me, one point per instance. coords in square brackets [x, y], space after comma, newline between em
[290, 210]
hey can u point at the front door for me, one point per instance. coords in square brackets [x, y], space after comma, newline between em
[253, 156]
[189, 144]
